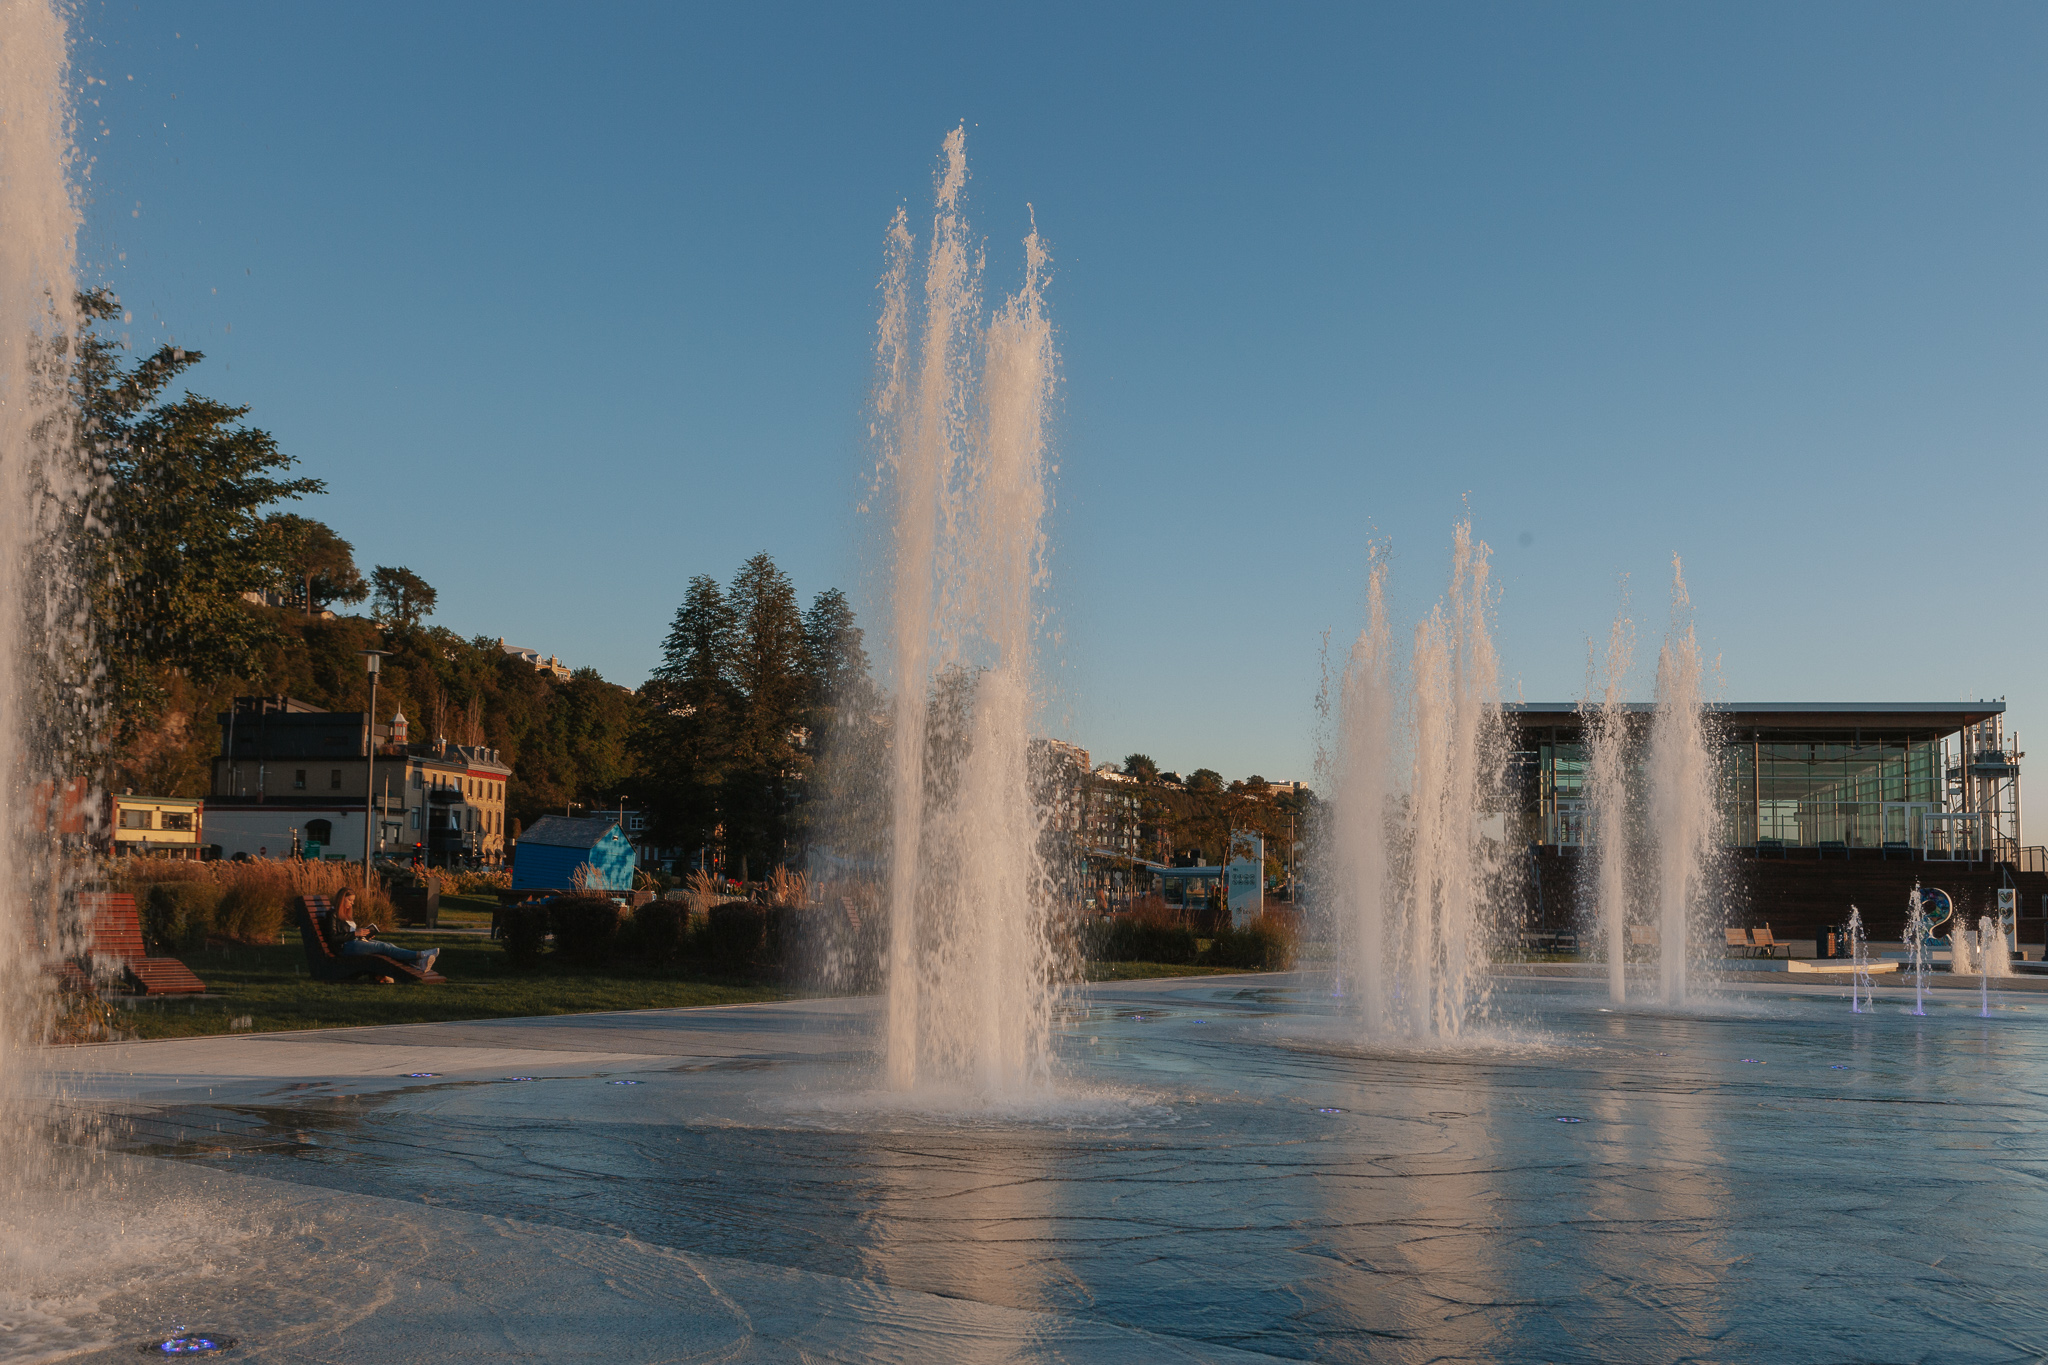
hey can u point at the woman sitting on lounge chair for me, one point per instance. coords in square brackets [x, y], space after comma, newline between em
[348, 940]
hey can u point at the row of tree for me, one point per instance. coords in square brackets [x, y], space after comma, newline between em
[201, 588]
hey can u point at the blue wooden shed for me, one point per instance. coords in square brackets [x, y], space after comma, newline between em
[551, 850]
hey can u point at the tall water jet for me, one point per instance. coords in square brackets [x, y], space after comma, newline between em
[1362, 869]
[1682, 781]
[1413, 865]
[1607, 755]
[960, 420]
[43, 513]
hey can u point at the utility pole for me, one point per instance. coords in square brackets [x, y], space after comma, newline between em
[373, 659]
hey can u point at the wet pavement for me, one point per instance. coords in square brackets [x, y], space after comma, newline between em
[1226, 1171]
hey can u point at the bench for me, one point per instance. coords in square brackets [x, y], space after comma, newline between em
[324, 964]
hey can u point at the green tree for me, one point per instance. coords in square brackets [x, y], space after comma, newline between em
[184, 488]
[1141, 767]
[1205, 781]
[318, 564]
[768, 670]
[688, 712]
[401, 599]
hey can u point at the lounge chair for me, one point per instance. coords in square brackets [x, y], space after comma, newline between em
[324, 964]
[115, 931]
[1761, 938]
[1738, 938]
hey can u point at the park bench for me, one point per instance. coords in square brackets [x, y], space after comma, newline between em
[114, 930]
[1738, 938]
[324, 964]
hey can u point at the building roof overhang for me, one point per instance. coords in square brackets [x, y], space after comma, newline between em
[1941, 716]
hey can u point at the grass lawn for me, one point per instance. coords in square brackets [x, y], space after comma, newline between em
[268, 988]
[265, 990]
[1139, 971]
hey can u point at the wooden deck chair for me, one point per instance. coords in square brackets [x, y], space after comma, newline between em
[324, 964]
[1738, 938]
[1761, 938]
[114, 930]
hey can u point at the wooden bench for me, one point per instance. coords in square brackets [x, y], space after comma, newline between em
[1738, 938]
[324, 964]
[114, 930]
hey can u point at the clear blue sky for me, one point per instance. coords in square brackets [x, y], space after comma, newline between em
[568, 304]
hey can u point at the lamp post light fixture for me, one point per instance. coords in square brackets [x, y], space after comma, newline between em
[373, 659]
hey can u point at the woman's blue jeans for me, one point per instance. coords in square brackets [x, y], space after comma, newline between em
[358, 947]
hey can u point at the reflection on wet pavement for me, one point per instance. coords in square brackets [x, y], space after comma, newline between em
[1233, 1170]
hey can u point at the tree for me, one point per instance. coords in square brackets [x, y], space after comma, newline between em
[185, 484]
[401, 598]
[1141, 767]
[836, 651]
[688, 709]
[1205, 781]
[319, 565]
[769, 671]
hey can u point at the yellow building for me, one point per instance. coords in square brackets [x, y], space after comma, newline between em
[157, 826]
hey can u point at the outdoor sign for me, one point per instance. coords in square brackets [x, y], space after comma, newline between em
[1244, 878]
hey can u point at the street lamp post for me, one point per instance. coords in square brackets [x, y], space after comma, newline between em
[373, 659]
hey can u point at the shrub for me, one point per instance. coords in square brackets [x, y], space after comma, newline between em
[1262, 945]
[733, 933]
[585, 928]
[524, 930]
[252, 910]
[658, 928]
[1127, 939]
[179, 914]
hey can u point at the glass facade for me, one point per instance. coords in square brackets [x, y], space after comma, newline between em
[1825, 791]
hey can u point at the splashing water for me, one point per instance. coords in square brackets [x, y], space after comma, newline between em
[960, 416]
[1862, 995]
[1607, 755]
[1682, 807]
[44, 657]
[1994, 953]
[1411, 877]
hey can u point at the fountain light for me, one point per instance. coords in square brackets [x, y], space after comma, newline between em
[623, 1082]
[1329, 1111]
[420, 1075]
[519, 1078]
[1568, 1118]
[184, 1343]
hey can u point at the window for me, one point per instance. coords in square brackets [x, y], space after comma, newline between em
[299, 779]
[135, 819]
[415, 817]
[181, 820]
[334, 780]
[320, 832]
[419, 779]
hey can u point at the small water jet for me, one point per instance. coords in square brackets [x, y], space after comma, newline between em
[1918, 931]
[1862, 995]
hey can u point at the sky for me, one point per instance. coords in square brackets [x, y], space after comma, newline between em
[569, 304]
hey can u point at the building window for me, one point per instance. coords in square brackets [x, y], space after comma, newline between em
[320, 832]
[334, 780]
[135, 819]
[178, 820]
[415, 817]
[419, 779]
[299, 779]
